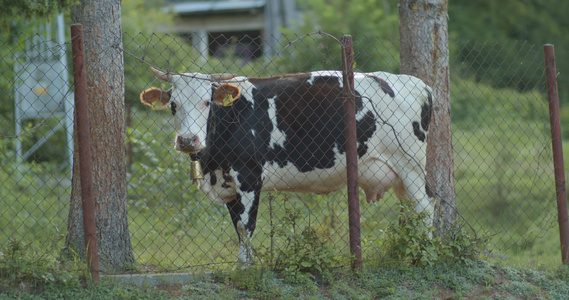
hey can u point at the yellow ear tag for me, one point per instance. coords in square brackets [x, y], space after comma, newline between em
[158, 105]
[228, 100]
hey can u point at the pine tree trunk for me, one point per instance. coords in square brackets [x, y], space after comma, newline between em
[104, 67]
[424, 53]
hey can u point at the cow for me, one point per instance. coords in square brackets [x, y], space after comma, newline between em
[286, 133]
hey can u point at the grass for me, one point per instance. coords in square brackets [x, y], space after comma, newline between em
[468, 280]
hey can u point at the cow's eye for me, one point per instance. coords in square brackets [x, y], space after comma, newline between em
[173, 108]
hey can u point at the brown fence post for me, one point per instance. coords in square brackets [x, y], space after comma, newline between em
[552, 96]
[351, 149]
[82, 126]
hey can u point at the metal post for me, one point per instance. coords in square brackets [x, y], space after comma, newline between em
[68, 104]
[351, 149]
[200, 41]
[84, 145]
[552, 96]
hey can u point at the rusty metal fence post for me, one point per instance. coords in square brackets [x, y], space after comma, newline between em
[552, 96]
[84, 145]
[351, 149]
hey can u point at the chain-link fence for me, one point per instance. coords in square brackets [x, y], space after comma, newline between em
[501, 140]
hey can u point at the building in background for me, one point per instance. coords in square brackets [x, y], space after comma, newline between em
[248, 28]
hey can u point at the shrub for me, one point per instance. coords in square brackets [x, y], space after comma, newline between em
[300, 254]
[23, 270]
[409, 240]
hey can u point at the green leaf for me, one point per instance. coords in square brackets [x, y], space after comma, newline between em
[306, 264]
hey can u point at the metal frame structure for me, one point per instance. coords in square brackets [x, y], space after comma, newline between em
[45, 63]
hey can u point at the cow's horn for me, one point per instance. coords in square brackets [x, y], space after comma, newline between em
[160, 74]
[221, 76]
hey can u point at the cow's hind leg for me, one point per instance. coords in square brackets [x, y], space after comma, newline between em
[415, 189]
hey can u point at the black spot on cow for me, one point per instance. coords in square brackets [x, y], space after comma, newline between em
[213, 180]
[418, 132]
[426, 111]
[226, 179]
[384, 86]
[235, 208]
[365, 127]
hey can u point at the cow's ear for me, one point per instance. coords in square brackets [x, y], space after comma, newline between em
[226, 93]
[155, 98]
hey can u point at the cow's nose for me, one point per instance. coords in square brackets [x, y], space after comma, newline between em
[187, 143]
[186, 140]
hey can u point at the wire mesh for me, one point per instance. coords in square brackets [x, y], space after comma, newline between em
[503, 171]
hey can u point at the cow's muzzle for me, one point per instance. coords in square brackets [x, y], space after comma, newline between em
[187, 144]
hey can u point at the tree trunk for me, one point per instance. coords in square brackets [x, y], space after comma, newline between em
[104, 65]
[424, 53]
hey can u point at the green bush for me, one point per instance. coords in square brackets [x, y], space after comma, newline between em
[374, 33]
[410, 240]
[299, 253]
[25, 270]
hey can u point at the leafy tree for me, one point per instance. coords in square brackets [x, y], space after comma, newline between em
[473, 23]
[374, 32]
[535, 21]
[32, 8]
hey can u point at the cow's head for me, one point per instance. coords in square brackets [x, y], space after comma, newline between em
[189, 99]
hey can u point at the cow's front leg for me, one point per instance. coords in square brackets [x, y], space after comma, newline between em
[244, 217]
[248, 176]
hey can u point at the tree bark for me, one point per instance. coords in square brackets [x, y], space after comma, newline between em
[104, 65]
[424, 53]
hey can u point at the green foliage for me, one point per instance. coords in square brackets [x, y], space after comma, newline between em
[535, 21]
[30, 199]
[485, 105]
[374, 33]
[411, 241]
[305, 254]
[23, 269]
[300, 253]
[459, 246]
[33, 8]
[258, 282]
[480, 60]
[471, 280]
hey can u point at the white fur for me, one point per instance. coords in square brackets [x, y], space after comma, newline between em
[189, 92]
[277, 135]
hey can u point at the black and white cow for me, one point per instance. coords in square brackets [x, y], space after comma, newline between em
[286, 133]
